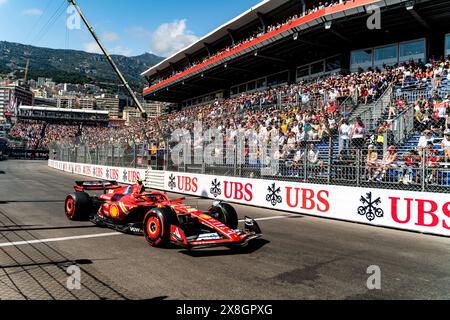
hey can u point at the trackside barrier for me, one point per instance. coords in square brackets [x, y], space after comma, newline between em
[407, 210]
[122, 175]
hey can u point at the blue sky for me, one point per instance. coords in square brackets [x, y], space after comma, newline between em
[129, 27]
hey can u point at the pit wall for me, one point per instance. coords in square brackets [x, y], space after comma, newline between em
[407, 210]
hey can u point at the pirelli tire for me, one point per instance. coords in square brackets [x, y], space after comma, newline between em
[157, 224]
[78, 206]
[226, 214]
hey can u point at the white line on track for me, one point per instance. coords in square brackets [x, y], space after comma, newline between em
[273, 218]
[89, 236]
[28, 242]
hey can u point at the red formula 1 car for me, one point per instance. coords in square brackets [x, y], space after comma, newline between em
[162, 221]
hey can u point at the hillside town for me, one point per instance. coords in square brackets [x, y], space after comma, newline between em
[46, 93]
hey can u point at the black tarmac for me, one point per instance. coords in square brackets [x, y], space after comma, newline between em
[299, 257]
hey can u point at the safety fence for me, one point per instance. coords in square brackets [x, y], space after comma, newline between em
[327, 161]
[116, 154]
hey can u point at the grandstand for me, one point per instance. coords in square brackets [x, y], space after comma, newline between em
[279, 41]
[349, 104]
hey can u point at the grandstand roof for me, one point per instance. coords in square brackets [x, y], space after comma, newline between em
[248, 16]
[278, 50]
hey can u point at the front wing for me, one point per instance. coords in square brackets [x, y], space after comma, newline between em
[233, 238]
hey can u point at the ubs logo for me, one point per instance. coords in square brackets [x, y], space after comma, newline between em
[370, 207]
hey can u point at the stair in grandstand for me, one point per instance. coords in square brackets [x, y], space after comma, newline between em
[373, 113]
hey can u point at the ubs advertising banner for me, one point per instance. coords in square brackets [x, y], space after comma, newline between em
[416, 211]
[407, 210]
[122, 175]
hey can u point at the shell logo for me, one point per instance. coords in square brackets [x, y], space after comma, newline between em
[204, 216]
[114, 211]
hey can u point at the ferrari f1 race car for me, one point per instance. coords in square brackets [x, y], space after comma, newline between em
[130, 209]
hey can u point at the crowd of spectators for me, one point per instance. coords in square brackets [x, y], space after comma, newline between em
[310, 113]
[59, 132]
[30, 132]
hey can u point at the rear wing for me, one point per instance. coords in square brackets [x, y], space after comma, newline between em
[95, 185]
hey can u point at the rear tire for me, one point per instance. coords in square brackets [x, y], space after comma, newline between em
[157, 226]
[226, 214]
[78, 206]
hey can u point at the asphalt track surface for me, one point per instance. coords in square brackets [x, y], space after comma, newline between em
[300, 257]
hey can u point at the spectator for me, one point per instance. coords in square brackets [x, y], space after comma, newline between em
[421, 119]
[314, 162]
[447, 120]
[411, 164]
[431, 162]
[344, 135]
[357, 134]
[372, 162]
[446, 147]
[389, 162]
[425, 139]
[441, 114]
[382, 134]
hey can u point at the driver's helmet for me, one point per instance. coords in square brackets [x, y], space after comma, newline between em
[138, 188]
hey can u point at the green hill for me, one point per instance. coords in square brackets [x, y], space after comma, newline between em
[73, 66]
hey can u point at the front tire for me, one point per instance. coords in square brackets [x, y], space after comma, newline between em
[226, 214]
[157, 226]
[78, 206]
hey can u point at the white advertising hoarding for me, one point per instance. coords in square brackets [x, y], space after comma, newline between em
[408, 210]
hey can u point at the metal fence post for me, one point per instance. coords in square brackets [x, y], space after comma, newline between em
[203, 158]
[235, 159]
[330, 158]
[166, 157]
[424, 171]
[135, 155]
[305, 166]
[358, 168]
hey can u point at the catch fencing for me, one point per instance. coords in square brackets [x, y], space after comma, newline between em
[326, 161]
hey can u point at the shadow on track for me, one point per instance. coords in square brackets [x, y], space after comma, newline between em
[250, 248]
[37, 228]
[63, 263]
[30, 201]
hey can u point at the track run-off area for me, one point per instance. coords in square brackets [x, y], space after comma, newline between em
[299, 257]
